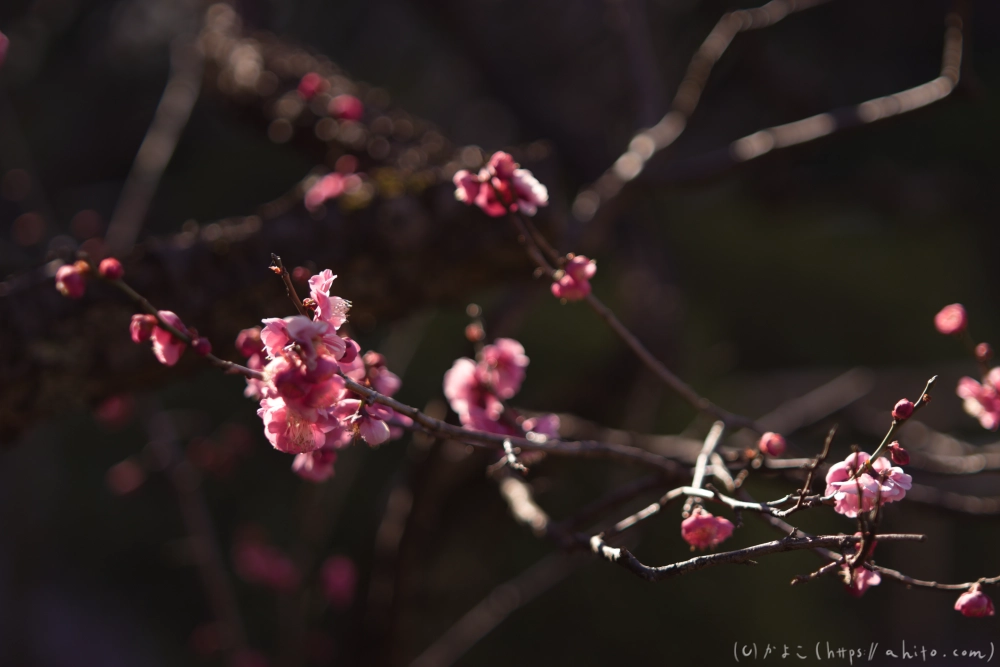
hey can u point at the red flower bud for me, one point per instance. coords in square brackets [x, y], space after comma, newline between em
[70, 280]
[903, 410]
[899, 456]
[974, 603]
[772, 444]
[110, 269]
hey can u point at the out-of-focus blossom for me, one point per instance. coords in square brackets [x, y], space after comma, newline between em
[346, 107]
[772, 444]
[248, 342]
[982, 401]
[166, 347]
[703, 531]
[71, 279]
[315, 466]
[326, 188]
[574, 283]
[115, 412]
[4, 45]
[125, 477]
[259, 563]
[951, 319]
[141, 328]
[380, 377]
[984, 353]
[974, 603]
[501, 187]
[503, 365]
[339, 579]
[311, 84]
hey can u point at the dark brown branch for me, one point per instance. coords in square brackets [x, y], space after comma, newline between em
[624, 557]
[282, 272]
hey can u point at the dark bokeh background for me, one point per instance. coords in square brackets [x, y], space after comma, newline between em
[756, 284]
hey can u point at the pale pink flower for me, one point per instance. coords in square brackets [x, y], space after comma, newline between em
[370, 420]
[313, 337]
[330, 309]
[293, 433]
[772, 444]
[530, 193]
[315, 466]
[503, 366]
[703, 531]
[381, 378]
[982, 401]
[167, 348]
[574, 283]
[339, 578]
[893, 481]
[326, 188]
[862, 579]
[974, 603]
[951, 319]
[851, 495]
[71, 280]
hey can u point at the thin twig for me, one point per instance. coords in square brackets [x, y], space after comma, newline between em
[282, 272]
[171, 117]
[818, 461]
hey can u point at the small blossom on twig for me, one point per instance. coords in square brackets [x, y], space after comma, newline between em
[501, 186]
[772, 444]
[951, 319]
[166, 347]
[574, 283]
[141, 327]
[903, 410]
[71, 279]
[899, 456]
[861, 579]
[852, 495]
[974, 603]
[703, 531]
[110, 269]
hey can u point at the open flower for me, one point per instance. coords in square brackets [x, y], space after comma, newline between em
[501, 186]
[951, 319]
[703, 531]
[574, 283]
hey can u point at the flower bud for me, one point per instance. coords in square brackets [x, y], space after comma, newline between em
[110, 269]
[899, 456]
[141, 328]
[903, 410]
[201, 346]
[70, 281]
[951, 319]
[974, 603]
[984, 352]
[772, 444]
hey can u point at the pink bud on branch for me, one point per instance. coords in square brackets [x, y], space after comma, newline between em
[951, 319]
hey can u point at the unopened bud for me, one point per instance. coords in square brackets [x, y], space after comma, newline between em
[772, 444]
[951, 319]
[474, 332]
[141, 328]
[899, 456]
[70, 280]
[110, 269]
[984, 352]
[903, 410]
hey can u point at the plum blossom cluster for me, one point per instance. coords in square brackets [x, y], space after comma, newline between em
[877, 484]
[305, 405]
[476, 391]
[572, 282]
[501, 187]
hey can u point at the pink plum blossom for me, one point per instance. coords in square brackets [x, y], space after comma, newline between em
[503, 365]
[317, 465]
[141, 328]
[703, 531]
[884, 482]
[326, 188]
[166, 347]
[294, 433]
[329, 309]
[982, 401]
[574, 283]
[951, 319]
[861, 580]
[501, 187]
[903, 410]
[974, 603]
